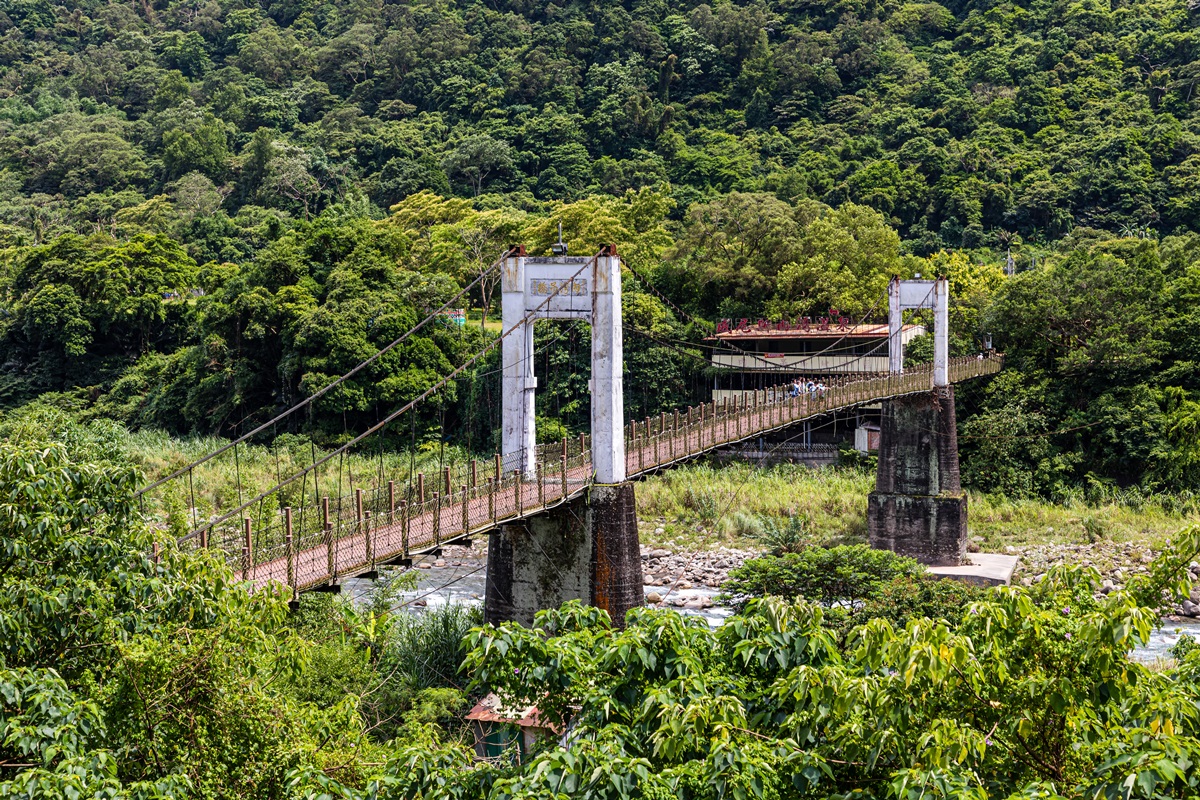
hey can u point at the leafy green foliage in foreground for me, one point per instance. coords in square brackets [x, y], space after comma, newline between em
[123, 675]
[126, 676]
[854, 583]
[1031, 694]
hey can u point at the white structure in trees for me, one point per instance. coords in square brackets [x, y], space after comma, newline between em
[563, 287]
[934, 294]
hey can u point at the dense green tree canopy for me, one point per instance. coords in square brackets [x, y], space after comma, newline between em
[209, 210]
[953, 120]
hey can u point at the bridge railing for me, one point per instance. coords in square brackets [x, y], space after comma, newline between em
[655, 442]
[315, 543]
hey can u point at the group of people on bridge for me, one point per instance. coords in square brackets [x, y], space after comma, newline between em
[810, 388]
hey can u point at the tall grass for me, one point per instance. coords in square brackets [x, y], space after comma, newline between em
[426, 649]
[743, 504]
[232, 478]
[736, 502]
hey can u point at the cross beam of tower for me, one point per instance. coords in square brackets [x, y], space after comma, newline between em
[905, 295]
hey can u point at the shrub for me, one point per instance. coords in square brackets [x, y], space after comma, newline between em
[790, 537]
[920, 596]
[845, 575]
[743, 524]
[855, 584]
[1181, 648]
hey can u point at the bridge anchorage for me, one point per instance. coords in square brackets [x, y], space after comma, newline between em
[561, 517]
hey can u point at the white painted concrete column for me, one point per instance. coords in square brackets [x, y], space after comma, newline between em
[895, 328]
[608, 412]
[518, 384]
[941, 332]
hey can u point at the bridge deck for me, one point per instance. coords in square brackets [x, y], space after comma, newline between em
[309, 547]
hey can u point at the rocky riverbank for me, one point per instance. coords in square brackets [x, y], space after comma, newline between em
[678, 572]
[690, 578]
[1117, 563]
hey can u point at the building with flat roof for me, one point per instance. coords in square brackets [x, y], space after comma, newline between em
[747, 356]
[758, 355]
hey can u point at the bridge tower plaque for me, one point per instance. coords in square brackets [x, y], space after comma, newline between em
[586, 549]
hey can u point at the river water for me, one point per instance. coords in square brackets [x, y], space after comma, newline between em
[462, 580]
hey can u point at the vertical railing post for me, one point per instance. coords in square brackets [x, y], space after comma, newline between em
[466, 518]
[204, 538]
[564, 469]
[359, 530]
[517, 490]
[651, 441]
[327, 530]
[290, 543]
[674, 436]
[391, 518]
[446, 483]
[421, 488]
[474, 473]
[404, 527]
[641, 451]
[498, 468]
[540, 467]
[437, 518]
[367, 541]
[492, 486]
[247, 549]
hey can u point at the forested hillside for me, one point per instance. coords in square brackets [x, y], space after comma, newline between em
[958, 121]
[211, 208]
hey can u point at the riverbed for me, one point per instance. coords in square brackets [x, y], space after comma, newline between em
[460, 577]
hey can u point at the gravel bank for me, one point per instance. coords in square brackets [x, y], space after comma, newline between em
[1116, 562]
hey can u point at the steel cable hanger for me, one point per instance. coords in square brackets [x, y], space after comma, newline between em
[329, 386]
[530, 315]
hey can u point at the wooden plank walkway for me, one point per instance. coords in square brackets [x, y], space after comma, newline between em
[311, 547]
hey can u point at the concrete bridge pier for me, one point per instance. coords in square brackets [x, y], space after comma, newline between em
[918, 508]
[586, 549]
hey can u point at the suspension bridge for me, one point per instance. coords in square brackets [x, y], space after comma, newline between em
[314, 546]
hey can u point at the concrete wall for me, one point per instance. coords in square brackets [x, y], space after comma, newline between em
[918, 508]
[586, 550]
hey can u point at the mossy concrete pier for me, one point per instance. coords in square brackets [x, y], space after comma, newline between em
[586, 549]
[918, 508]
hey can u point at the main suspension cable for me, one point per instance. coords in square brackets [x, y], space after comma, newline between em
[331, 385]
[529, 315]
